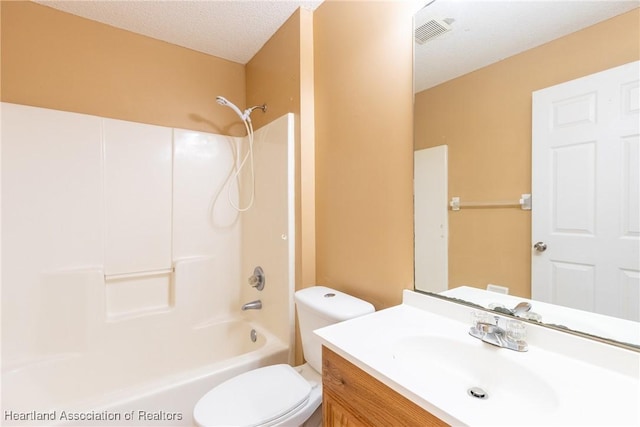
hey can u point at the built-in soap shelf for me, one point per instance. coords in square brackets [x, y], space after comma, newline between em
[136, 294]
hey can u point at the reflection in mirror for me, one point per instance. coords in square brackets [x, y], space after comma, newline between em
[474, 85]
[612, 330]
[623, 331]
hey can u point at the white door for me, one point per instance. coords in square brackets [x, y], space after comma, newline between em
[431, 221]
[586, 193]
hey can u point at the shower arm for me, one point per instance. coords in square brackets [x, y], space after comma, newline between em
[263, 107]
[248, 111]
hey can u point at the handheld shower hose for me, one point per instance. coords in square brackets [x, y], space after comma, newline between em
[246, 119]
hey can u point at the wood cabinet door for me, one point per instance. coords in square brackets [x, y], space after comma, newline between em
[354, 398]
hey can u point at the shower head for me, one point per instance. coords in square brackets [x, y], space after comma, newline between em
[223, 101]
[243, 115]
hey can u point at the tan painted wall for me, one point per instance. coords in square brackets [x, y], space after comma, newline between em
[485, 118]
[273, 74]
[364, 155]
[56, 60]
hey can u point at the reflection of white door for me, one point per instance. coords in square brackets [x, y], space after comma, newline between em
[431, 220]
[586, 190]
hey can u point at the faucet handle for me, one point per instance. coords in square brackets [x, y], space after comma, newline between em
[257, 280]
[481, 317]
[516, 330]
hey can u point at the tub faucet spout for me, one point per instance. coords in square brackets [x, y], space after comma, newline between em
[253, 305]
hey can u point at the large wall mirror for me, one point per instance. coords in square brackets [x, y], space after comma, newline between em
[477, 66]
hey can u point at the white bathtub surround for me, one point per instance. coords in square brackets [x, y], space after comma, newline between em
[268, 234]
[422, 349]
[125, 267]
[137, 180]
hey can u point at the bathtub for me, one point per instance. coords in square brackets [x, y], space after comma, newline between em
[155, 385]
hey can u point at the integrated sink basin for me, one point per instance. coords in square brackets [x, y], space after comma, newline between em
[423, 350]
[474, 370]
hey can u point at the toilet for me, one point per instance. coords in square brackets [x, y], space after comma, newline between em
[281, 395]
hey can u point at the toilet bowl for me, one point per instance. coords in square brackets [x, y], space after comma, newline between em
[276, 395]
[281, 395]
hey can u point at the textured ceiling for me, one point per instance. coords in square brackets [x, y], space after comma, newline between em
[232, 29]
[483, 31]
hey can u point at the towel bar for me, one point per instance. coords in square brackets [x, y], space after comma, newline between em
[524, 203]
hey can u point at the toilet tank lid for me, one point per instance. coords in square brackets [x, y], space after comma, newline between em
[332, 304]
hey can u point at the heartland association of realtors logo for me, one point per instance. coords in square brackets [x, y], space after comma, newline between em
[139, 415]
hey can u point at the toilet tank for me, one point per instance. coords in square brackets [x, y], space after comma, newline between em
[319, 306]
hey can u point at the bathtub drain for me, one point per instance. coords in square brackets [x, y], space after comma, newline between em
[254, 335]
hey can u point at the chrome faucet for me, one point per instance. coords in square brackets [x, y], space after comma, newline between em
[485, 327]
[253, 305]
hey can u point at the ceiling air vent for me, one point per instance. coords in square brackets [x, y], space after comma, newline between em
[430, 30]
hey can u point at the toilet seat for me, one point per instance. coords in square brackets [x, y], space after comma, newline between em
[256, 398]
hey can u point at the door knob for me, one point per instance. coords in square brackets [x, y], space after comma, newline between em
[540, 246]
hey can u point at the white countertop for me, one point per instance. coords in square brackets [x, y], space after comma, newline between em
[422, 350]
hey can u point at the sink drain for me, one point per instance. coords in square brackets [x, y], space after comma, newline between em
[478, 393]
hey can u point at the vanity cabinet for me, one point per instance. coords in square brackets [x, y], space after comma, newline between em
[353, 398]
